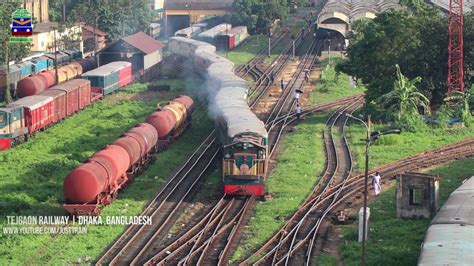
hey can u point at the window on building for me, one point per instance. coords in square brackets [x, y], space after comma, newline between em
[416, 196]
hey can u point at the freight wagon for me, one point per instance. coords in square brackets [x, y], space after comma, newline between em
[97, 182]
[25, 117]
[41, 81]
[108, 78]
[232, 39]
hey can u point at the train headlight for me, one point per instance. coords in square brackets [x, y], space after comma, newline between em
[227, 155]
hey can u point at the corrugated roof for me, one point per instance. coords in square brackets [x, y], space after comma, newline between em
[143, 42]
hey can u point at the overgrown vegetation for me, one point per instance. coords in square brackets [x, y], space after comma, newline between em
[33, 173]
[389, 148]
[403, 102]
[300, 161]
[416, 39]
[117, 18]
[395, 241]
[258, 15]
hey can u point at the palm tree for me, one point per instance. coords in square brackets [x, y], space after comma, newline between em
[405, 99]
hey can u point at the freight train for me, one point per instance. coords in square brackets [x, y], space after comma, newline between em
[41, 63]
[448, 240]
[26, 116]
[41, 81]
[242, 136]
[96, 182]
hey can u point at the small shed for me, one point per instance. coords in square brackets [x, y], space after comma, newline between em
[144, 52]
[417, 195]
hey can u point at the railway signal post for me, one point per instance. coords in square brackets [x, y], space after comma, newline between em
[371, 136]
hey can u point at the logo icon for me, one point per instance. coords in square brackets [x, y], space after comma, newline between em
[22, 25]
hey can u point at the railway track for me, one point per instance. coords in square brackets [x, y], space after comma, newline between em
[342, 196]
[338, 168]
[286, 103]
[199, 245]
[137, 241]
[163, 208]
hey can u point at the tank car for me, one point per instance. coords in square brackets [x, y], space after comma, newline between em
[96, 182]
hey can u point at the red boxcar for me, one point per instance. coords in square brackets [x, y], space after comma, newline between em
[78, 93]
[125, 72]
[59, 97]
[38, 111]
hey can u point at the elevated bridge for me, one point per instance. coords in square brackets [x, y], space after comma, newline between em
[179, 14]
[338, 15]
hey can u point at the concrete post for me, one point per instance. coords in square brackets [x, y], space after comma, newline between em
[361, 224]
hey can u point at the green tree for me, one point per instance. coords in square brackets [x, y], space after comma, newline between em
[117, 18]
[416, 39]
[403, 101]
[257, 15]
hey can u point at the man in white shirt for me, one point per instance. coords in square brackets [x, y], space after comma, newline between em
[376, 183]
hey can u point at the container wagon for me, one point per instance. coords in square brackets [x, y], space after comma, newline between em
[106, 79]
[232, 38]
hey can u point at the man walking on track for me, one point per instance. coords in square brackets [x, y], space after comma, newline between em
[376, 183]
[282, 84]
[298, 111]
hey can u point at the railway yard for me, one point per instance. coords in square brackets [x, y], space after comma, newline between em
[248, 156]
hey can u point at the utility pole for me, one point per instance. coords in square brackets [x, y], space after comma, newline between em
[293, 40]
[56, 57]
[269, 41]
[95, 39]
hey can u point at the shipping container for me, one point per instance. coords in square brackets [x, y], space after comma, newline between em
[125, 72]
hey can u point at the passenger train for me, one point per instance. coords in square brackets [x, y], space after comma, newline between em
[242, 136]
[449, 239]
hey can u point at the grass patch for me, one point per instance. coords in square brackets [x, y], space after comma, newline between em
[300, 161]
[247, 50]
[331, 86]
[254, 43]
[395, 241]
[394, 147]
[32, 177]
